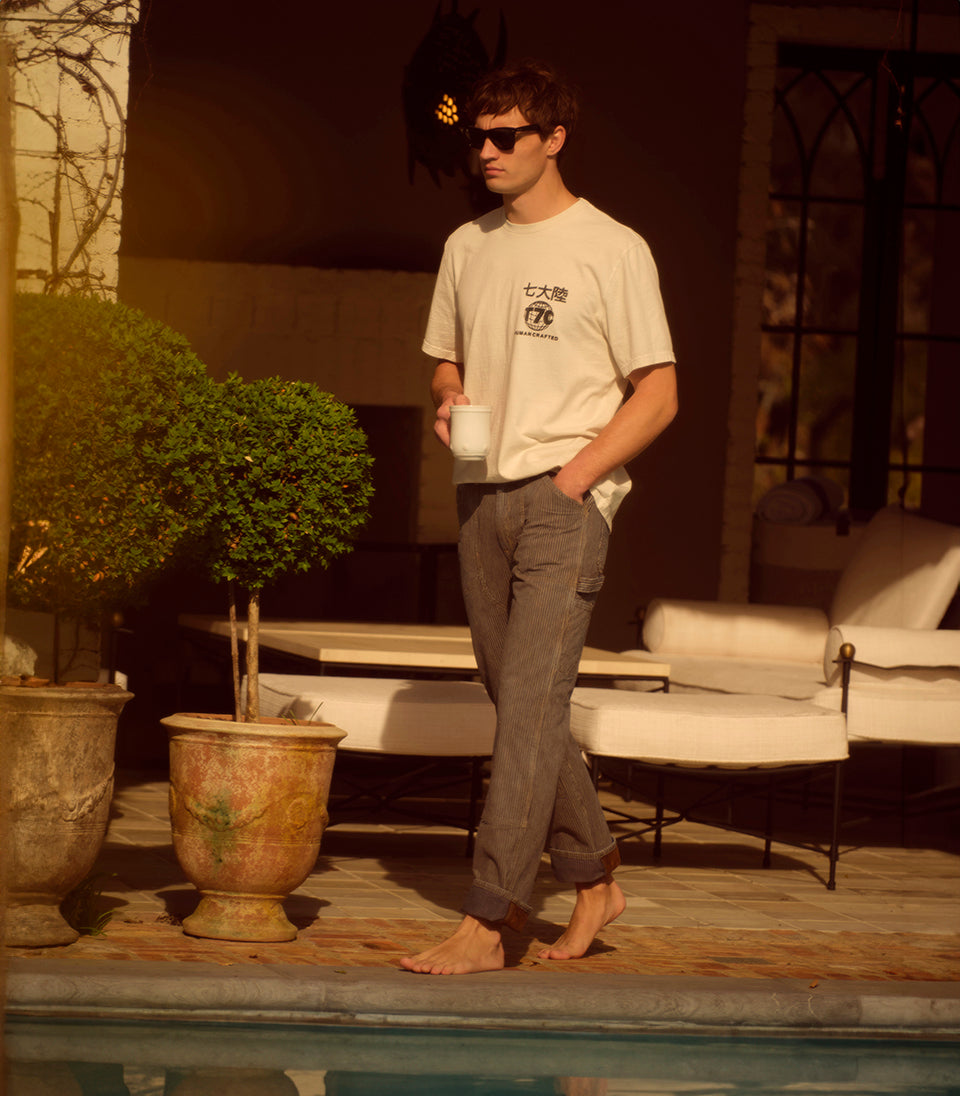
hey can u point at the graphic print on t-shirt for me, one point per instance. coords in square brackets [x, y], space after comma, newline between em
[539, 312]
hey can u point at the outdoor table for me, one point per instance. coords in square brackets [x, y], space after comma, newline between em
[440, 649]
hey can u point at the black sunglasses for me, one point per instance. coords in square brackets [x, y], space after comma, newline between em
[503, 137]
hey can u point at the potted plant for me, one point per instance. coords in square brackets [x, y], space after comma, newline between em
[111, 461]
[109, 482]
[248, 796]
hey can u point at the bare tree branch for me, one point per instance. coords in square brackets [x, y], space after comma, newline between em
[82, 190]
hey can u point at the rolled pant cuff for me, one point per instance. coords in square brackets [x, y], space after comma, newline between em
[574, 869]
[495, 908]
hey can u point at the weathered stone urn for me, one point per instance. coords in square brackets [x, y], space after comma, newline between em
[56, 750]
[248, 807]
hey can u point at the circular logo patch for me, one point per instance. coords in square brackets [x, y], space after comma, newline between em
[538, 316]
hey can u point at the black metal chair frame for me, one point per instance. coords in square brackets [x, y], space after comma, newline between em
[417, 780]
[728, 786]
[734, 780]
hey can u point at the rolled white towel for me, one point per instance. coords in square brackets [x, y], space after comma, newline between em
[801, 501]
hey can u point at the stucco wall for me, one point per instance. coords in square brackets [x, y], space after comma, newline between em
[227, 166]
[355, 333]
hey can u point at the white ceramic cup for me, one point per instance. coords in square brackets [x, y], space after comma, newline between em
[469, 431]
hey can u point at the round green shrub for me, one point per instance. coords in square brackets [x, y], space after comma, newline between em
[112, 470]
[293, 476]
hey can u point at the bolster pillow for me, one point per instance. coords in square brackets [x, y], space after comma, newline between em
[727, 630]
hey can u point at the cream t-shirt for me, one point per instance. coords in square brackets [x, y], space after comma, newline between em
[548, 320]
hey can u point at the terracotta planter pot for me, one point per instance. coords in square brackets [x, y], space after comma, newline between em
[57, 745]
[248, 807]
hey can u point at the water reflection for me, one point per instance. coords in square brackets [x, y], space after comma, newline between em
[86, 1058]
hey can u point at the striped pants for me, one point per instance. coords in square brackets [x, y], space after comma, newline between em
[531, 565]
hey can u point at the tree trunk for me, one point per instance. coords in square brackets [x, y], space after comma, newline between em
[253, 658]
[234, 649]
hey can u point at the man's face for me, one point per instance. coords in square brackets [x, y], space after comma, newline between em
[519, 170]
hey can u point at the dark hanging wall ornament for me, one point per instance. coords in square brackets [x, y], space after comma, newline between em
[436, 82]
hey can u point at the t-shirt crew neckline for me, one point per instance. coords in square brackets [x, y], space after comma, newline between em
[549, 222]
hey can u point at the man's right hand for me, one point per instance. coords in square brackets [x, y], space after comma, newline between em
[441, 426]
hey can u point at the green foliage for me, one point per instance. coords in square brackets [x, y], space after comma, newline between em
[111, 469]
[293, 480]
[127, 455]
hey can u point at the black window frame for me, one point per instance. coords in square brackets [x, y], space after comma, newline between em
[880, 338]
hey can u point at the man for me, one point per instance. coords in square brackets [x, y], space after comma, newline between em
[550, 312]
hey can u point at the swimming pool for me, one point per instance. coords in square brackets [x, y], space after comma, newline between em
[178, 1058]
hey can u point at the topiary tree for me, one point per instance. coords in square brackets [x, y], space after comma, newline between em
[293, 485]
[112, 466]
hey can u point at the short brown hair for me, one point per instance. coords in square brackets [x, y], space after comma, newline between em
[541, 95]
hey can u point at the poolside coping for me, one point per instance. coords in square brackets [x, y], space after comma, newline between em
[711, 940]
[515, 1000]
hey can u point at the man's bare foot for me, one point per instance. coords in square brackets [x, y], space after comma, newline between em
[597, 905]
[475, 946]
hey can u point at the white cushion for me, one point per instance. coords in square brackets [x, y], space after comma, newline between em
[907, 656]
[387, 715]
[892, 713]
[903, 573]
[781, 677]
[701, 730]
[706, 628]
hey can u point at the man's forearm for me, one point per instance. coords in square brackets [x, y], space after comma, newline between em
[446, 389]
[447, 381]
[642, 418]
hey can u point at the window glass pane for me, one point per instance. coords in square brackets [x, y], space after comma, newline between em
[920, 184]
[773, 403]
[819, 118]
[780, 283]
[950, 181]
[786, 161]
[834, 246]
[916, 269]
[909, 401]
[930, 272]
[825, 399]
[839, 155]
[945, 285]
[809, 102]
[933, 160]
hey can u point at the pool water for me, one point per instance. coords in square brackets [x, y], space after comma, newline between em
[174, 1058]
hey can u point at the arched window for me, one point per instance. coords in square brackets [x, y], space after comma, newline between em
[860, 354]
